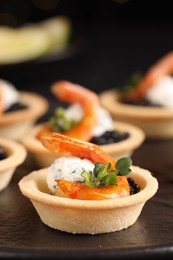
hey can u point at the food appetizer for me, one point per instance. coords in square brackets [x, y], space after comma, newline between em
[12, 154]
[86, 120]
[147, 101]
[19, 110]
[85, 190]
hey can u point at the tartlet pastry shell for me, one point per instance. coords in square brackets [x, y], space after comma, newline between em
[117, 150]
[157, 123]
[16, 154]
[14, 125]
[87, 216]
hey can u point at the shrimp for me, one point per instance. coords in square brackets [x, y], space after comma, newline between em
[74, 93]
[45, 130]
[70, 92]
[62, 144]
[163, 66]
[77, 190]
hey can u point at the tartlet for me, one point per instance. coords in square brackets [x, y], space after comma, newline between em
[15, 156]
[103, 201]
[156, 122]
[15, 124]
[146, 101]
[124, 148]
[87, 217]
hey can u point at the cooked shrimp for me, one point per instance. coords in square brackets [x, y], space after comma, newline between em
[74, 93]
[76, 190]
[163, 66]
[44, 130]
[62, 144]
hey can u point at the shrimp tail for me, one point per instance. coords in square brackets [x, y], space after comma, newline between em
[61, 144]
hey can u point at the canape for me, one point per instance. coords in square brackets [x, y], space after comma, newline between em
[147, 103]
[85, 191]
[19, 110]
[12, 154]
[89, 122]
[124, 148]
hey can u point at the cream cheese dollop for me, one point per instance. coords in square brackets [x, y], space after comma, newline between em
[161, 92]
[105, 122]
[10, 94]
[67, 168]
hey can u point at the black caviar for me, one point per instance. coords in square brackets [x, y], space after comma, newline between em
[110, 137]
[15, 107]
[2, 153]
[141, 102]
[134, 187]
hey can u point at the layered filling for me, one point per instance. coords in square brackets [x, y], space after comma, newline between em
[103, 133]
[10, 97]
[77, 178]
[160, 94]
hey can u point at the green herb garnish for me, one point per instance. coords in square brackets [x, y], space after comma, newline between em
[132, 82]
[134, 79]
[59, 122]
[102, 177]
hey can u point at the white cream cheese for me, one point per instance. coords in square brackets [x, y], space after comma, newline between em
[162, 92]
[74, 112]
[104, 123]
[67, 168]
[10, 94]
[70, 169]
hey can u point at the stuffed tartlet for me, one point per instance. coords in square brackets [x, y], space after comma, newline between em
[85, 190]
[85, 120]
[12, 154]
[19, 110]
[147, 104]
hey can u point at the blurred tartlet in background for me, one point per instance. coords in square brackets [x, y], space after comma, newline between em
[86, 120]
[12, 154]
[146, 101]
[19, 110]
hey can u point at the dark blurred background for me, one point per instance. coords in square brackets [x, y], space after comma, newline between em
[110, 41]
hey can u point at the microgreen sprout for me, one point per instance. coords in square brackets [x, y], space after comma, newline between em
[102, 176]
[59, 121]
[132, 82]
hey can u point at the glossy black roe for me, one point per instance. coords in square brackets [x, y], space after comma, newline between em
[2, 153]
[134, 187]
[110, 137]
[16, 107]
[141, 102]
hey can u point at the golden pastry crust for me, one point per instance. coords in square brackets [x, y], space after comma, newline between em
[16, 154]
[117, 150]
[87, 216]
[15, 124]
[155, 122]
